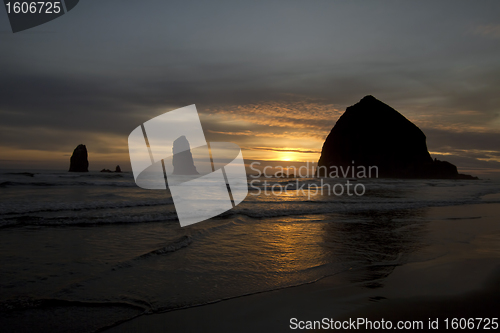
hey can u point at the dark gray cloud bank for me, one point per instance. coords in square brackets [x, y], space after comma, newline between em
[107, 66]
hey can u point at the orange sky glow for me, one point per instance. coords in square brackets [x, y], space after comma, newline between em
[268, 131]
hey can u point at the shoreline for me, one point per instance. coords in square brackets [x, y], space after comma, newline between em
[456, 274]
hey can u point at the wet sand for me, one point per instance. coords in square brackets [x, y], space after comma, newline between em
[456, 274]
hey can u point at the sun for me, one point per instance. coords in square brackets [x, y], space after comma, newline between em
[287, 156]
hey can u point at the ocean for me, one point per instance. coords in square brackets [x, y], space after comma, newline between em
[83, 251]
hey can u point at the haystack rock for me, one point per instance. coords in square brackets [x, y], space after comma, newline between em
[183, 159]
[371, 133]
[79, 160]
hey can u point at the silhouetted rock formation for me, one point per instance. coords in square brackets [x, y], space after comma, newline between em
[183, 159]
[117, 169]
[79, 160]
[371, 133]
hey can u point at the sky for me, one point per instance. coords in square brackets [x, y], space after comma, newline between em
[270, 76]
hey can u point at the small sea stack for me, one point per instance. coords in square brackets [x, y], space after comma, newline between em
[117, 170]
[183, 159]
[79, 160]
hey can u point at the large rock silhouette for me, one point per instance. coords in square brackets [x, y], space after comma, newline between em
[371, 133]
[183, 159]
[79, 160]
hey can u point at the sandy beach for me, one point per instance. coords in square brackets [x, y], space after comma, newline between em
[456, 274]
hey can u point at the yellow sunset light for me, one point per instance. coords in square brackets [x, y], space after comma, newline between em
[288, 156]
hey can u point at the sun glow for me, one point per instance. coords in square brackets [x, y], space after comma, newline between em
[288, 156]
[281, 155]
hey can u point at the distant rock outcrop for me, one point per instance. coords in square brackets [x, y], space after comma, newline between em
[117, 169]
[79, 160]
[371, 133]
[183, 159]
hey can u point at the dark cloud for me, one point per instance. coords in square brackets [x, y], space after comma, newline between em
[469, 163]
[284, 150]
[443, 141]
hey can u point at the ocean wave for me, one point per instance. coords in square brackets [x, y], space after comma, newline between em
[173, 246]
[29, 220]
[347, 207]
[27, 174]
[67, 183]
[13, 183]
[231, 216]
[136, 205]
[178, 244]
[31, 208]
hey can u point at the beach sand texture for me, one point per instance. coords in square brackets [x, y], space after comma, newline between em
[456, 274]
